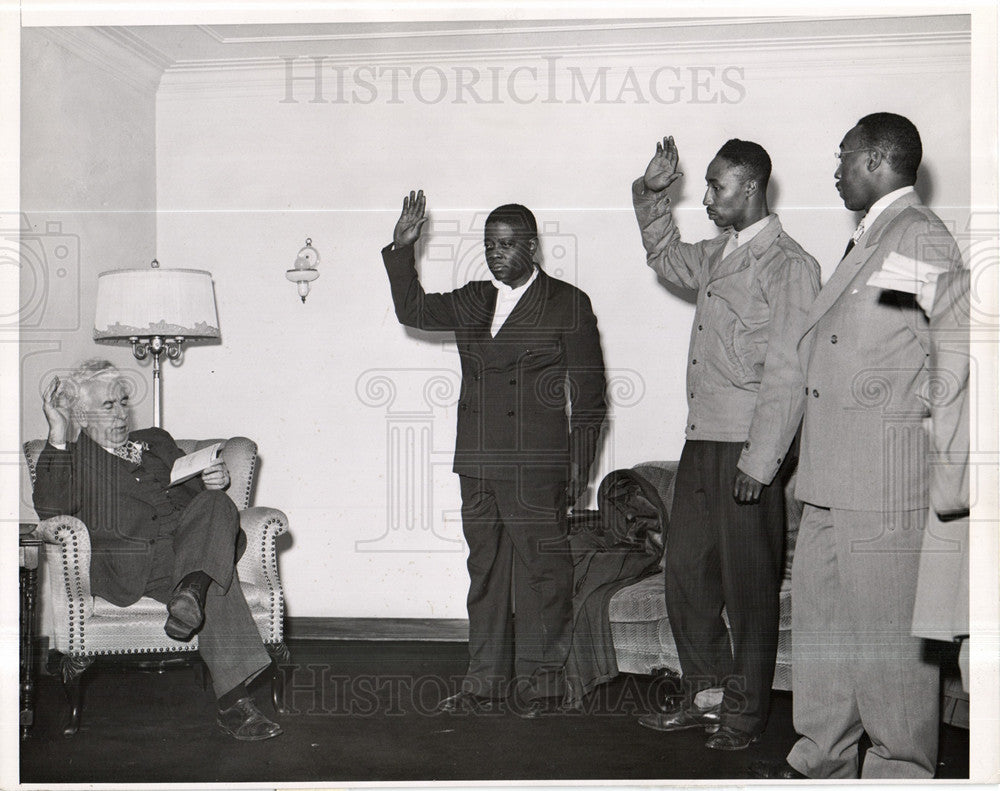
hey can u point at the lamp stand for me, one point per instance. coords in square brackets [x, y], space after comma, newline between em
[156, 346]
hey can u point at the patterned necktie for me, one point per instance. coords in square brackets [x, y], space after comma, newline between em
[131, 451]
[854, 239]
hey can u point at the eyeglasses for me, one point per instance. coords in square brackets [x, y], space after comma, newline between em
[840, 154]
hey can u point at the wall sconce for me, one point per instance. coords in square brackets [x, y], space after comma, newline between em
[305, 269]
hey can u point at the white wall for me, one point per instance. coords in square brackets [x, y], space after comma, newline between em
[88, 201]
[243, 178]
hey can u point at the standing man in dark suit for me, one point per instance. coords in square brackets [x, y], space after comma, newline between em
[529, 349]
[177, 544]
[863, 476]
[754, 285]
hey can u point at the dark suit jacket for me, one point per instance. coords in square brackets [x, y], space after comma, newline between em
[122, 514]
[512, 410]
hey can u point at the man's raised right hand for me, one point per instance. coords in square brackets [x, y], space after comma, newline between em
[662, 170]
[57, 412]
[411, 219]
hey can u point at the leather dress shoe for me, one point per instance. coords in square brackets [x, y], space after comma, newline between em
[244, 721]
[534, 708]
[684, 717]
[730, 739]
[185, 615]
[466, 703]
[775, 770]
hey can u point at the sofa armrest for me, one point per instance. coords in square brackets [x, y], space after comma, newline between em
[661, 474]
[67, 554]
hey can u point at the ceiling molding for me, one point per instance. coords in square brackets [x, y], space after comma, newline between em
[657, 80]
[132, 54]
[121, 55]
[506, 29]
[910, 47]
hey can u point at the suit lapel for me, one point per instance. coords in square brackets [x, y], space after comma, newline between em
[528, 308]
[107, 466]
[846, 271]
[856, 259]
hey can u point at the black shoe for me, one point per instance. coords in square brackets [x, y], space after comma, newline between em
[466, 703]
[186, 615]
[244, 721]
[534, 708]
[775, 770]
[684, 717]
[730, 739]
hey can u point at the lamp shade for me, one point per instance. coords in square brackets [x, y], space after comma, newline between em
[149, 302]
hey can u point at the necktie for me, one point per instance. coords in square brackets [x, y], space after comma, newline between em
[131, 451]
[854, 239]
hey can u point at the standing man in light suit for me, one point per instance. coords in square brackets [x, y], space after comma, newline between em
[863, 476]
[529, 419]
[754, 285]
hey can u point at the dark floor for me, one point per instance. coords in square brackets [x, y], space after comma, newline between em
[364, 711]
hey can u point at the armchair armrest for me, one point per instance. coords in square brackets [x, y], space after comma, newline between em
[67, 552]
[259, 564]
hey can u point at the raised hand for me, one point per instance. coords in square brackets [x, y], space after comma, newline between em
[411, 219]
[57, 411]
[662, 170]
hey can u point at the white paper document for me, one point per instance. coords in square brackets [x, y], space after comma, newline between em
[195, 463]
[900, 273]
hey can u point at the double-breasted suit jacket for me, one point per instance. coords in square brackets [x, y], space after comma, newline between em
[865, 356]
[863, 473]
[512, 409]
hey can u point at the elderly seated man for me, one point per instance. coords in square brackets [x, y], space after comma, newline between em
[177, 544]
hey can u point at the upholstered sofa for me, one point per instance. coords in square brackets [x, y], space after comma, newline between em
[640, 628]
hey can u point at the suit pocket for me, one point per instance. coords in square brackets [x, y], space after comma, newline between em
[540, 355]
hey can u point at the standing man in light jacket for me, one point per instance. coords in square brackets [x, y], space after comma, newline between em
[529, 418]
[754, 285]
[863, 476]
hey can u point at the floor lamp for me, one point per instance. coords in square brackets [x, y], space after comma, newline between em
[155, 310]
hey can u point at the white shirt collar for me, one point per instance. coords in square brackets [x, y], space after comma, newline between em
[882, 203]
[514, 292]
[751, 231]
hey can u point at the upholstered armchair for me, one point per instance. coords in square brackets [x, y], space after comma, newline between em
[86, 627]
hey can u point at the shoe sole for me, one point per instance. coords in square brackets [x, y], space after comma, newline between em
[733, 749]
[185, 617]
[261, 738]
[672, 729]
[468, 707]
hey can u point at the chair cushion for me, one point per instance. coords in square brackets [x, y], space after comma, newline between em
[138, 628]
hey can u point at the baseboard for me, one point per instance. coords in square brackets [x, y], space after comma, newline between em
[439, 629]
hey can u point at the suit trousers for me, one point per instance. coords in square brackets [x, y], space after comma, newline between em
[206, 536]
[518, 552]
[721, 553]
[856, 665]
